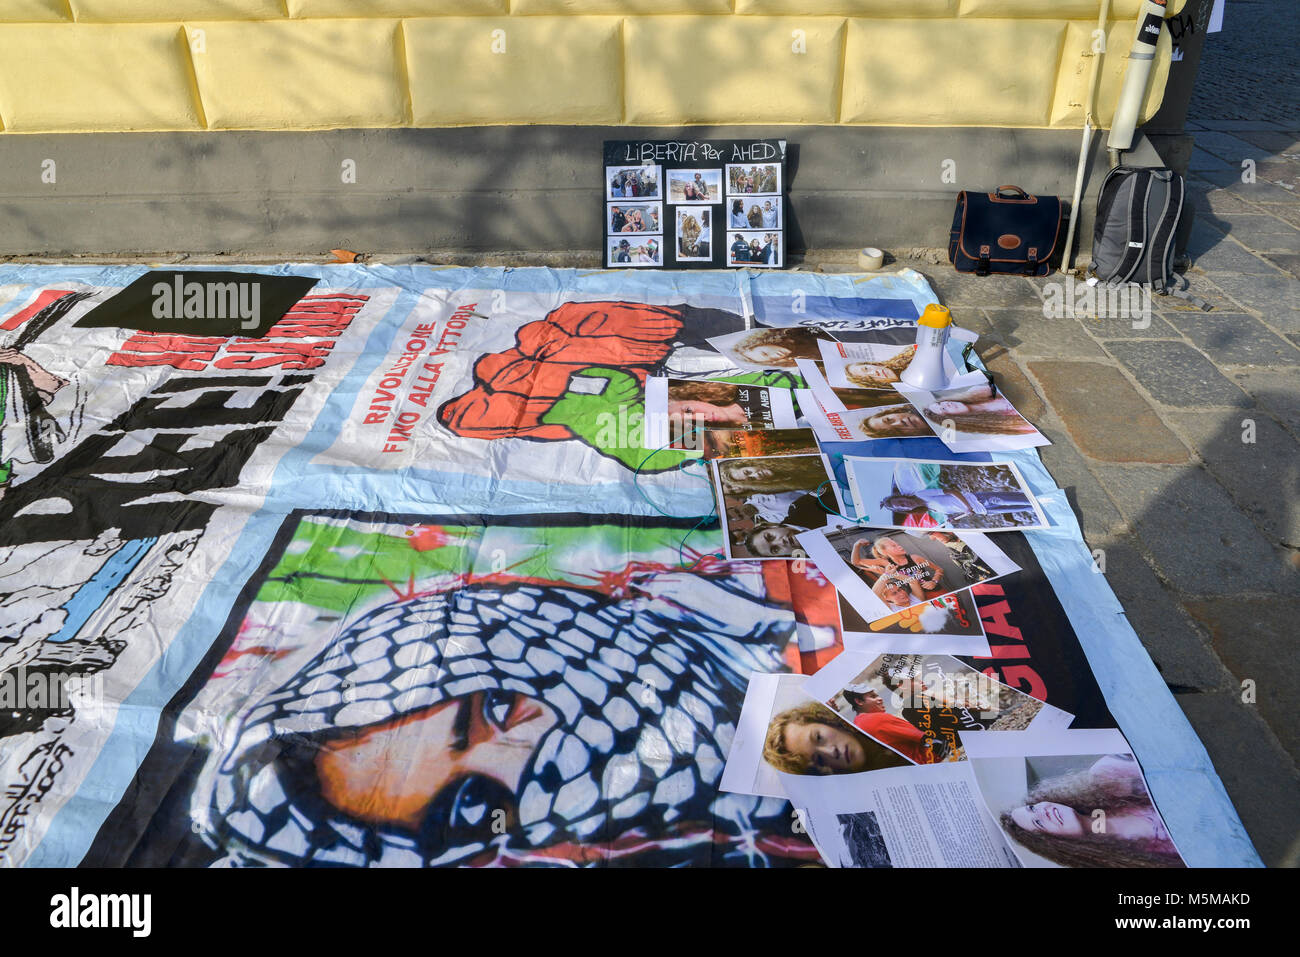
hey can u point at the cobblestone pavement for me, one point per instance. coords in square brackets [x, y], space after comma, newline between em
[1248, 72]
[1178, 442]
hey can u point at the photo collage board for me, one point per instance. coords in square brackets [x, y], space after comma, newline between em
[694, 204]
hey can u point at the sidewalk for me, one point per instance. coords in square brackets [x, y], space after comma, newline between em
[1179, 445]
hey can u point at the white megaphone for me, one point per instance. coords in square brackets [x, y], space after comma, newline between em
[925, 371]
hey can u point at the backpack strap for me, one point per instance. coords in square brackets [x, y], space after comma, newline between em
[1156, 245]
[1162, 243]
[1181, 292]
[982, 265]
[1135, 245]
[1110, 187]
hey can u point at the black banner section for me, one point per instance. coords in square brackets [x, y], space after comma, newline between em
[201, 303]
[94, 486]
[1033, 647]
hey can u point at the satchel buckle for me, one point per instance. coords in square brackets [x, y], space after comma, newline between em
[1031, 261]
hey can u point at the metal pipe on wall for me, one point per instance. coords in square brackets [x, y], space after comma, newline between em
[1141, 58]
[1099, 51]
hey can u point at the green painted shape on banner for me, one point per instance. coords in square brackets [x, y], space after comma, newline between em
[335, 567]
[597, 418]
[332, 566]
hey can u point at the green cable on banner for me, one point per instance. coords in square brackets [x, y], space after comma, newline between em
[681, 548]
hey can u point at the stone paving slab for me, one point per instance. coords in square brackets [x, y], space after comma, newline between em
[1242, 632]
[1264, 233]
[1010, 378]
[1180, 652]
[1229, 147]
[1228, 179]
[1256, 460]
[1098, 517]
[1104, 415]
[1241, 125]
[1201, 285]
[1272, 141]
[1205, 196]
[1255, 769]
[1235, 339]
[1269, 195]
[1203, 543]
[1115, 327]
[1276, 391]
[1284, 174]
[1276, 298]
[1215, 250]
[1203, 163]
[1290, 262]
[985, 292]
[1030, 333]
[1176, 374]
[1290, 214]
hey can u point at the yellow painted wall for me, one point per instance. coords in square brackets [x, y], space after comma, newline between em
[90, 65]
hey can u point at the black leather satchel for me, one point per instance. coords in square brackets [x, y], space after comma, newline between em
[1006, 231]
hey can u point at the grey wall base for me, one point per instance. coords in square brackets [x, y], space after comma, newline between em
[526, 188]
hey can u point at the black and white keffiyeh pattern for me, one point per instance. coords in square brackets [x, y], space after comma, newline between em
[645, 689]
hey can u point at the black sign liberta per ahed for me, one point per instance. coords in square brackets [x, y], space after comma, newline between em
[694, 204]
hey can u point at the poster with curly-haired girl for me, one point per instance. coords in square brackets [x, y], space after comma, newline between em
[1071, 799]
[783, 730]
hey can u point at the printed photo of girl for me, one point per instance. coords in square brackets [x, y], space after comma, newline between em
[975, 418]
[776, 348]
[767, 502]
[917, 493]
[810, 739]
[1076, 810]
[883, 571]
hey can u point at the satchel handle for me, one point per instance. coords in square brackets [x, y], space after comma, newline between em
[1011, 194]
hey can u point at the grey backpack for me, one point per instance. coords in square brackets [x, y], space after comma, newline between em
[1138, 212]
